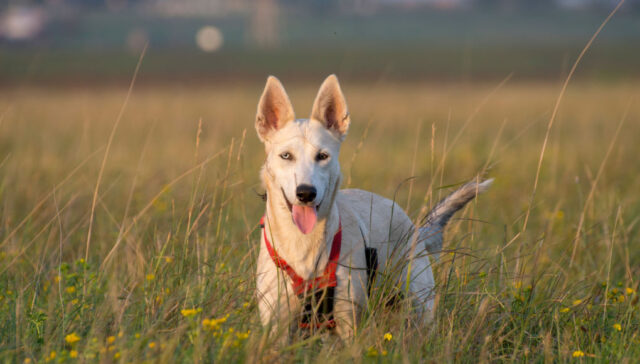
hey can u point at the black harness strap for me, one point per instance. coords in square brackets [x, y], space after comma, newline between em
[371, 255]
[319, 305]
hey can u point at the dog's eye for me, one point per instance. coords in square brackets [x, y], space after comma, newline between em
[322, 156]
[286, 156]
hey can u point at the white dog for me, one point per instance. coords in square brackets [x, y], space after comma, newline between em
[320, 246]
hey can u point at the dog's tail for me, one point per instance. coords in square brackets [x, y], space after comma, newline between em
[431, 231]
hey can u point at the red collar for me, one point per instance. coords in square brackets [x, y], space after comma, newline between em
[301, 286]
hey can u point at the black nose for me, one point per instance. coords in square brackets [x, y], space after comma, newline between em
[306, 193]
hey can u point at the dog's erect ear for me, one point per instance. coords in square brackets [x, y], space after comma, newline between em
[330, 107]
[274, 109]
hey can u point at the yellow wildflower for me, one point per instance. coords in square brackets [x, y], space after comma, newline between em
[152, 345]
[384, 352]
[27, 361]
[168, 259]
[372, 351]
[111, 348]
[74, 301]
[565, 310]
[630, 291]
[73, 354]
[188, 312]
[71, 289]
[214, 324]
[137, 335]
[578, 354]
[111, 339]
[243, 335]
[57, 279]
[577, 302]
[116, 356]
[388, 336]
[617, 327]
[72, 338]
[245, 305]
[150, 277]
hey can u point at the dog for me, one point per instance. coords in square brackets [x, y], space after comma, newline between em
[320, 247]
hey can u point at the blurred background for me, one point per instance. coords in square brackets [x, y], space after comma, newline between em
[202, 41]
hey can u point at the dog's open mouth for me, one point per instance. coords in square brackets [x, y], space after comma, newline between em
[305, 217]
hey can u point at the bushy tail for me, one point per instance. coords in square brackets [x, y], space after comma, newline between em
[431, 231]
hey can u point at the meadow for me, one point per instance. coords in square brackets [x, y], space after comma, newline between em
[129, 225]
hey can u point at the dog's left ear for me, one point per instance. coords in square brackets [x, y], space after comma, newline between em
[330, 107]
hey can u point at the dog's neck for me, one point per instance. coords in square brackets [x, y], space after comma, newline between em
[307, 254]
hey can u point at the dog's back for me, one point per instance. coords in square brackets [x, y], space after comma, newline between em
[381, 223]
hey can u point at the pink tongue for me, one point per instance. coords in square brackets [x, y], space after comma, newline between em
[304, 217]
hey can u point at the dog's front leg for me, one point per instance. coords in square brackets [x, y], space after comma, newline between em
[351, 299]
[278, 315]
[347, 319]
[277, 304]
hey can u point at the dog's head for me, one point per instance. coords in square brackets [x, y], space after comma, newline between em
[302, 154]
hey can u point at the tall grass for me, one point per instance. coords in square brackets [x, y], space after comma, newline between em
[169, 272]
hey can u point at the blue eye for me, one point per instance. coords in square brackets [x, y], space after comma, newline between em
[322, 156]
[286, 156]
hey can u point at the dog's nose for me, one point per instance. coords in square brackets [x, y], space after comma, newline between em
[306, 193]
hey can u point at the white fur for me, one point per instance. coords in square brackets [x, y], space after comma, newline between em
[367, 219]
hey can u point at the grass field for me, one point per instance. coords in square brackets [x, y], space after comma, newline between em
[150, 255]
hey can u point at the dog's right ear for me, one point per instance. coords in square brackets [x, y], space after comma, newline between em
[274, 109]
